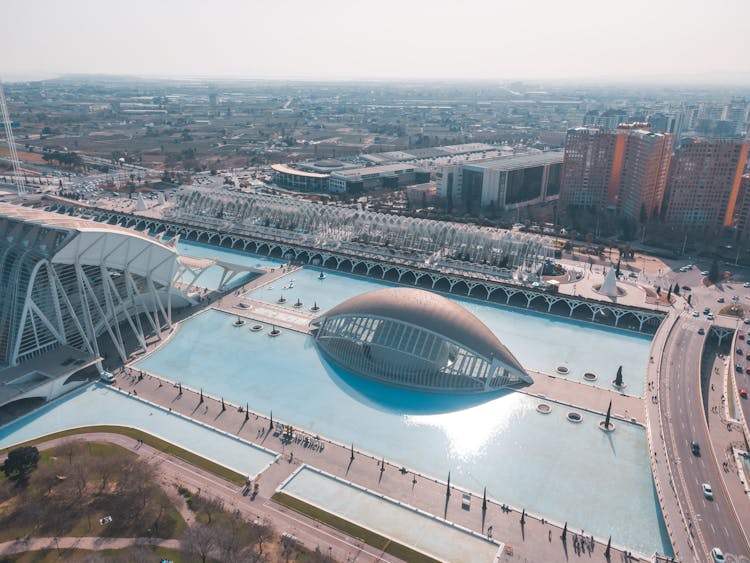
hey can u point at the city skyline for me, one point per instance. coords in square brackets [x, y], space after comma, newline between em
[576, 41]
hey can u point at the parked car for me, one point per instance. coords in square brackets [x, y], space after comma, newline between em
[696, 314]
[106, 377]
[701, 330]
[704, 273]
[720, 300]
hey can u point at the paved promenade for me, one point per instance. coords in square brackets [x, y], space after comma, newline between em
[536, 540]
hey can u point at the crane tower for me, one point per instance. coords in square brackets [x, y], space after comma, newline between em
[17, 177]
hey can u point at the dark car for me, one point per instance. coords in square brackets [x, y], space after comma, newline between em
[695, 448]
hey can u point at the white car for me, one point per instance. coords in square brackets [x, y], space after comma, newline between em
[707, 491]
[710, 317]
[696, 314]
[704, 273]
[746, 284]
[718, 555]
[106, 377]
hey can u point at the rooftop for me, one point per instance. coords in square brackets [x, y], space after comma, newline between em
[284, 169]
[517, 162]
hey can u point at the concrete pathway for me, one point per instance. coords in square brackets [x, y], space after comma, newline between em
[537, 540]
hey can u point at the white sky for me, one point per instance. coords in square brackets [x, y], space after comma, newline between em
[707, 40]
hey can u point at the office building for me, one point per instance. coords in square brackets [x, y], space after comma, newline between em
[503, 183]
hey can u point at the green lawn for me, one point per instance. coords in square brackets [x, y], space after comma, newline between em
[78, 483]
[162, 445]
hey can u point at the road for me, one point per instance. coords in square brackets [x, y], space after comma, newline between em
[713, 522]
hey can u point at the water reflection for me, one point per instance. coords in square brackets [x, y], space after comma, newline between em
[394, 400]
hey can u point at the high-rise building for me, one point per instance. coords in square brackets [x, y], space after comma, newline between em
[643, 178]
[623, 170]
[587, 168]
[704, 184]
[736, 113]
[743, 206]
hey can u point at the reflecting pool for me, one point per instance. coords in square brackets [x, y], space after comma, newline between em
[566, 472]
[540, 342]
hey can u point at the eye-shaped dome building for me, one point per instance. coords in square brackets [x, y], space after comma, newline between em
[417, 339]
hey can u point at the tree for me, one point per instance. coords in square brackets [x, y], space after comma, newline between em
[713, 273]
[618, 273]
[669, 295]
[676, 290]
[20, 463]
[198, 539]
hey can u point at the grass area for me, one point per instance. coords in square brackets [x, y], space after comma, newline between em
[368, 536]
[733, 311]
[114, 555]
[161, 445]
[77, 483]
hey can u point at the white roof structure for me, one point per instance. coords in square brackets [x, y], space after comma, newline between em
[67, 281]
[431, 311]
[416, 339]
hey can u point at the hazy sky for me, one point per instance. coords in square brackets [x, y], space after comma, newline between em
[462, 39]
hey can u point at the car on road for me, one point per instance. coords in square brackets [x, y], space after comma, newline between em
[746, 321]
[701, 330]
[707, 491]
[696, 314]
[738, 367]
[695, 447]
[743, 391]
[717, 555]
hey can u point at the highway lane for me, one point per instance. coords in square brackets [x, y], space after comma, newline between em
[713, 522]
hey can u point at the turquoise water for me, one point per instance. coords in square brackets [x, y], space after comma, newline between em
[424, 533]
[211, 278]
[98, 404]
[540, 342]
[575, 473]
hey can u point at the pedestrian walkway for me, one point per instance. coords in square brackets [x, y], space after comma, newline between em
[536, 539]
[88, 543]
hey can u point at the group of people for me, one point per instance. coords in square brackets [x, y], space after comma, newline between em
[583, 544]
